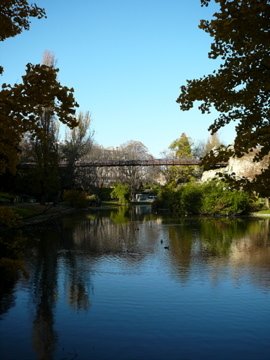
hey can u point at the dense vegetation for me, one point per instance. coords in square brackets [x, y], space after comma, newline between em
[212, 198]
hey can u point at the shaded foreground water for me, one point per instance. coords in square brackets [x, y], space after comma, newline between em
[128, 284]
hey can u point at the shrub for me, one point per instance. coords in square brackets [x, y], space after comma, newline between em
[121, 192]
[217, 199]
[75, 198]
[209, 199]
[191, 199]
[168, 198]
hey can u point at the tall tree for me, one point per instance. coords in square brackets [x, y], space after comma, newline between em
[14, 18]
[44, 139]
[180, 148]
[135, 176]
[28, 106]
[77, 145]
[239, 88]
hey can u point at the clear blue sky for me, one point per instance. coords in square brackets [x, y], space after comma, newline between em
[126, 60]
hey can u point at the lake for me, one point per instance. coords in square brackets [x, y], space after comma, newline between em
[129, 284]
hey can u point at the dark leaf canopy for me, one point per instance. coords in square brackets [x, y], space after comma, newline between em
[39, 91]
[15, 17]
[239, 89]
[23, 106]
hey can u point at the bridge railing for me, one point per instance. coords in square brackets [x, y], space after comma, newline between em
[138, 162]
[134, 162]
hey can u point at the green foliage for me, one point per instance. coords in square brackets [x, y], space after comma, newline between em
[181, 148]
[169, 198]
[204, 199]
[264, 212]
[121, 192]
[239, 89]
[218, 199]
[120, 216]
[191, 199]
[76, 198]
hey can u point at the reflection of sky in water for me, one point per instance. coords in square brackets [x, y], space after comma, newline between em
[119, 294]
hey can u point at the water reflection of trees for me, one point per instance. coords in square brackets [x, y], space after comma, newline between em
[217, 235]
[12, 267]
[46, 264]
[235, 242]
[252, 252]
[77, 243]
[181, 245]
[120, 232]
[77, 282]
[44, 293]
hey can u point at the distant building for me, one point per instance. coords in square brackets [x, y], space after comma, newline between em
[145, 197]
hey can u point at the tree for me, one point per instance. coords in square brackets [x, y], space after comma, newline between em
[45, 147]
[39, 126]
[239, 88]
[135, 176]
[121, 192]
[180, 148]
[15, 17]
[77, 145]
[27, 107]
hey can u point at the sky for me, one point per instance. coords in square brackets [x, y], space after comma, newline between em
[126, 60]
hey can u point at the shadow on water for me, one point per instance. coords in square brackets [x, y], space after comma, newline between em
[65, 255]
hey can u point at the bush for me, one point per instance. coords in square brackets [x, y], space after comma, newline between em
[168, 198]
[208, 199]
[191, 199]
[217, 199]
[121, 192]
[104, 194]
[76, 198]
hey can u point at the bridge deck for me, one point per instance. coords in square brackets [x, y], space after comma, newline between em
[137, 162]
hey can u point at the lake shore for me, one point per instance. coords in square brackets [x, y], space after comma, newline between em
[34, 213]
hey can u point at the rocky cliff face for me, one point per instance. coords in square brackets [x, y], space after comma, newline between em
[241, 167]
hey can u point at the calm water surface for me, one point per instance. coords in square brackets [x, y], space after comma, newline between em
[133, 285]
